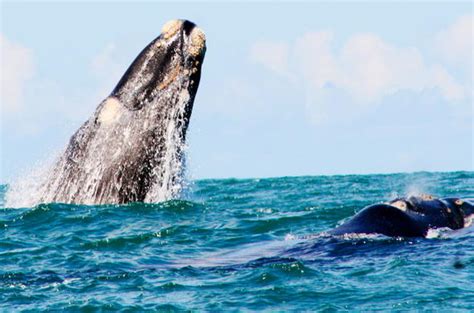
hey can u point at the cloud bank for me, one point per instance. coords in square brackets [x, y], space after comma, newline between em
[455, 43]
[17, 69]
[366, 68]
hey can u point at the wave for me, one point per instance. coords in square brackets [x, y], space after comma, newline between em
[244, 245]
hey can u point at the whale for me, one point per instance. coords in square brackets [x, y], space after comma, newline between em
[131, 148]
[411, 216]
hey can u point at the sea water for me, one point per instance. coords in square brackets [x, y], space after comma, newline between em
[236, 245]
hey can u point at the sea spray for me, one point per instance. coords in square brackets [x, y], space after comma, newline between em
[27, 189]
[173, 161]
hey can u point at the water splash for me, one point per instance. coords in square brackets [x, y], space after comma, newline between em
[173, 162]
[417, 186]
[27, 189]
[434, 233]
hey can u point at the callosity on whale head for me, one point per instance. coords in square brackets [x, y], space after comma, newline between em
[131, 148]
[465, 206]
[168, 65]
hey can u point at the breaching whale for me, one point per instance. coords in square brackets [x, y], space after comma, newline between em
[413, 216]
[130, 150]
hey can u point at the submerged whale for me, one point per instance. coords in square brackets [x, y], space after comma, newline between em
[413, 216]
[131, 149]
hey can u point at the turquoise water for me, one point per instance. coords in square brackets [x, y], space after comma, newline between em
[236, 245]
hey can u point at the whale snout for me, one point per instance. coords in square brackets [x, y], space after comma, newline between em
[465, 207]
[196, 39]
[170, 63]
[170, 28]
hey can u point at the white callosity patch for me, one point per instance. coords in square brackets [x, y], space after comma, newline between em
[198, 41]
[111, 111]
[400, 204]
[170, 28]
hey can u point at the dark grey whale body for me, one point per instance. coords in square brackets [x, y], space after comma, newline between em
[408, 217]
[131, 148]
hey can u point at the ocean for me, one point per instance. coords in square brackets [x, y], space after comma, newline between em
[236, 245]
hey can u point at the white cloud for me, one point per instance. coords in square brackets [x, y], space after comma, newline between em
[455, 42]
[17, 67]
[374, 68]
[32, 104]
[450, 89]
[105, 62]
[315, 60]
[273, 55]
[107, 69]
[365, 69]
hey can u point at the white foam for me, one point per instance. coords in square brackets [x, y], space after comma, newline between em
[359, 236]
[469, 220]
[438, 232]
[27, 189]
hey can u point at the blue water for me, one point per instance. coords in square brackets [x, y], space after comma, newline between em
[236, 245]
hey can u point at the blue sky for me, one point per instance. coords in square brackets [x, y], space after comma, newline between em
[286, 89]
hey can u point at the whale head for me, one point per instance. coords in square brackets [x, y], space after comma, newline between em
[465, 207]
[171, 63]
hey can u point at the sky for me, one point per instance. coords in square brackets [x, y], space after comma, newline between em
[287, 89]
